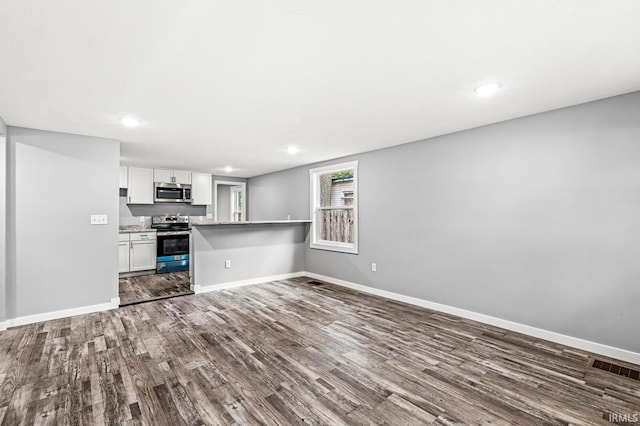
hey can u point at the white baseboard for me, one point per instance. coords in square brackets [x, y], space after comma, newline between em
[598, 348]
[3, 325]
[30, 319]
[198, 289]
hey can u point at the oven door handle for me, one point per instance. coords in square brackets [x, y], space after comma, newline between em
[170, 233]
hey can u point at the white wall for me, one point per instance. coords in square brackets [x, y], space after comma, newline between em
[534, 220]
[58, 260]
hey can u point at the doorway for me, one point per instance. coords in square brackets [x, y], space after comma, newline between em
[229, 201]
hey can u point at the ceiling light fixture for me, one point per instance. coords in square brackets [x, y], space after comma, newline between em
[292, 150]
[488, 89]
[130, 121]
[228, 169]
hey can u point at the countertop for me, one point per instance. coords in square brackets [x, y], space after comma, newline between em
[248, 222]
[136, 228]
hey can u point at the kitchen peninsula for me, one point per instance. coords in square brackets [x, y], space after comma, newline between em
[226, 254]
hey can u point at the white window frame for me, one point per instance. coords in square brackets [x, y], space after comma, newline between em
[314, 197]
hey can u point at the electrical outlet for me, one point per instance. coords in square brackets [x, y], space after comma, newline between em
[374, 267]
[209, 215]
[98, 219]
[141, 218]
[227, 264]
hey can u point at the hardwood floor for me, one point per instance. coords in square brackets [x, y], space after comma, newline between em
[291, 352]
[144, 288]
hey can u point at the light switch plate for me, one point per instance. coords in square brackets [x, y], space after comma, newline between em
[209, 215]
[98, 219]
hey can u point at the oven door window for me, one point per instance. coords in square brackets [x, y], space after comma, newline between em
[172, 245]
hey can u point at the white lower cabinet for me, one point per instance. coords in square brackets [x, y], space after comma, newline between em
[123, 253]
[140, 248]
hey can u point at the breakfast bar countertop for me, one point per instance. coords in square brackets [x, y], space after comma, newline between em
[136, 228]
[248, 222]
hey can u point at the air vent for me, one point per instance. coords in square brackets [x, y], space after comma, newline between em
[616, 369]
[315, 282]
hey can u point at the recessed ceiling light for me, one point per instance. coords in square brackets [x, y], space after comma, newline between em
[228, 169]
[130, 121]
[292, 150]
[487, 89]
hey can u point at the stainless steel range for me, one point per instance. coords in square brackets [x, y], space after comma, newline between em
[173, 233]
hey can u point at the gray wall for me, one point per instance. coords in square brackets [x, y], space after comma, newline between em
[3, 223]
[255, 251]
[534, 220]
[130, 214]
[59, 261]
[223, 201]
[277, 195]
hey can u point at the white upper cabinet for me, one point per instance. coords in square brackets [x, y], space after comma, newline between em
[124, 173]
[163, 175]
[140, 186]
[171, 176]
[181, 176]
[201, 189]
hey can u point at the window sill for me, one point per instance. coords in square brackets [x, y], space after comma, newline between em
[342, 248]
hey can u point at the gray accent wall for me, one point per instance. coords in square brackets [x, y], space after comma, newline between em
[223, 203]
[277, 195]
[255, 251]
[130, 214]
[58, 260]
[3, 220]
[534, 220]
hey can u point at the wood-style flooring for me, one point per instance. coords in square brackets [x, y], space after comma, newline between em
[295, 352]
[145, 288]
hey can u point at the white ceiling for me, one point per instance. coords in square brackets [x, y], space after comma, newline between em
[219, 83]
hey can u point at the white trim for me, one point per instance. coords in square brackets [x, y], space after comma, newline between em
[30, 319]
[598, 348]
[3, 325]
[198, 289]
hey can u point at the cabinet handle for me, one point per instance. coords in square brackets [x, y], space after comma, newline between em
[131, 244]
[129, 198]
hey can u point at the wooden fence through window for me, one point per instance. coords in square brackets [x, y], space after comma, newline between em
[337, 225]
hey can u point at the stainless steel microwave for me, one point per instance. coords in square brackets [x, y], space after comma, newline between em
[172, 192]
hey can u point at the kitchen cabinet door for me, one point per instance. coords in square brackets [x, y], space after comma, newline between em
[181, 176]
[124, 174]
[140, 183]
[201, 189]
[143, 255]
[123, 256]
[163, 175]
[171, 176]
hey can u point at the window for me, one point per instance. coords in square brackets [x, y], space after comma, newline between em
[334, 207]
